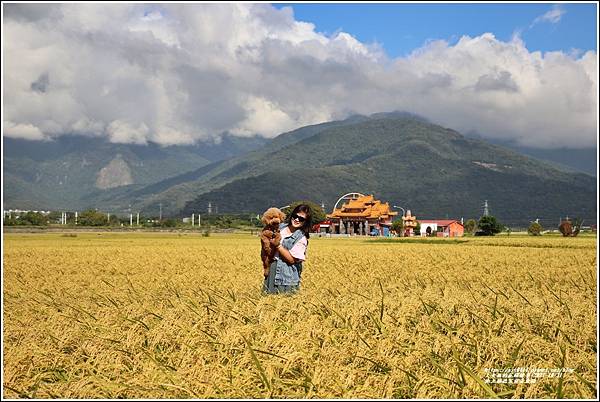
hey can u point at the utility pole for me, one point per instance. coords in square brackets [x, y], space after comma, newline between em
[130, 219]
[76, 217]
[193, 220]
[486, 211]
[160, 212]
[138, 219]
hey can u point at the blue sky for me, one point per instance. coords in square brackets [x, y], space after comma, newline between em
[401, 28]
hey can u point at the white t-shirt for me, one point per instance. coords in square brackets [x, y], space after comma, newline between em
[298, 251]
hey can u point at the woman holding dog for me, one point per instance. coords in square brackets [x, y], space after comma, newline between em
[285, 272]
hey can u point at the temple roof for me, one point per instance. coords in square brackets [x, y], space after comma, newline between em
[366, 207]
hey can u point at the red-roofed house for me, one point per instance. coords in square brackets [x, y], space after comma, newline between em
[321, 227]
[448, 227]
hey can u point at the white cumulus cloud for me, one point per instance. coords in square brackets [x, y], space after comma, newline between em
[178, 73]
[25, 131]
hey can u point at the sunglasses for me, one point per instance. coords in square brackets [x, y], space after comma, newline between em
[298, 218]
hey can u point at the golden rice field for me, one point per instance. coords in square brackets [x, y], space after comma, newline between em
[101, 315]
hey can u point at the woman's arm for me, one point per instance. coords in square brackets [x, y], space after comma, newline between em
[285, 255]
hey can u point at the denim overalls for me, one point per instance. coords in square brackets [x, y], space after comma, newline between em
[283, 277]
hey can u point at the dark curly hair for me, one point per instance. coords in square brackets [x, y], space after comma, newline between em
[307, 223]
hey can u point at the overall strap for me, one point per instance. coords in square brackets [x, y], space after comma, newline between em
[290, 241]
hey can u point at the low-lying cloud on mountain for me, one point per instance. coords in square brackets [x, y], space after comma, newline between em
[173, 74]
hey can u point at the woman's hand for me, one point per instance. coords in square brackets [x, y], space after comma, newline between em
[285, 255]
[275, 242]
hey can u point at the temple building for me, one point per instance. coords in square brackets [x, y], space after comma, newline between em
[362, 216]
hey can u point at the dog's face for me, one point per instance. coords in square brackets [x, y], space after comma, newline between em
[273, 217]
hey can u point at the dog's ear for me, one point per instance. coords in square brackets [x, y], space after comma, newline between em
[264, 219]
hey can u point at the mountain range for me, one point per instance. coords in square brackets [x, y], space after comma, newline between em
[577, 160]
[67, 173]
[400, 158]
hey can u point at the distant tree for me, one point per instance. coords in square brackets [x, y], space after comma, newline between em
[70, 218]
[226, 222]
[417, 229]
[535, 229]
[34, 218]
[318, 215]
[54, 216]
[398, 227]
[470, 226]
[255, 220]
[10, 220]
[113, 220]
[122, 220]
[92, 217]
[565, 228]
[168, 223]
[489, 226]
[577, 226]
[28, 218]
